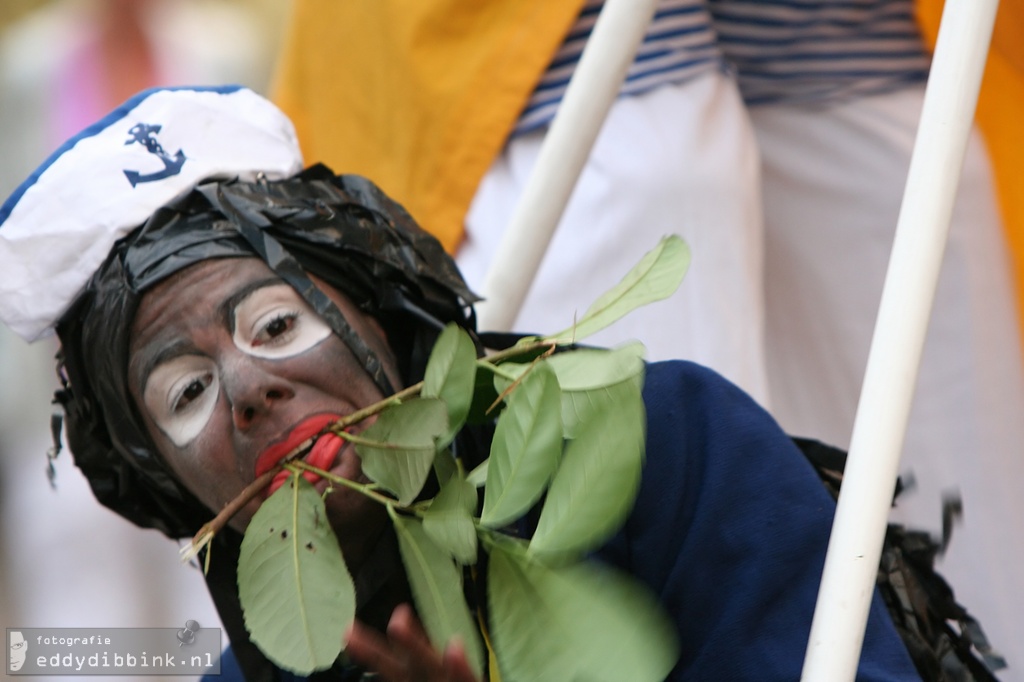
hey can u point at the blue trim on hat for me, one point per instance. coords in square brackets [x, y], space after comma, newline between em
[97, 128]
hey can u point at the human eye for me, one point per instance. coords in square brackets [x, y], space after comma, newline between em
[275, 322]
[276, 328]
[180, 395]
[188, 390]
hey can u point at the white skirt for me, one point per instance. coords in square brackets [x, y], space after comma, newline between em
[680, 159]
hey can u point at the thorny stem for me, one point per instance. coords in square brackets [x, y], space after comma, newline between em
[210, 529]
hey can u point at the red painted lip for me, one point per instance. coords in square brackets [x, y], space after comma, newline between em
[302, 432]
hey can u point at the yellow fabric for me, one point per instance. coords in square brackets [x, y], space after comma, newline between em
[1000, 117]
[418, 95]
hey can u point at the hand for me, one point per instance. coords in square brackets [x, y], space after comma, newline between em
[406, 654]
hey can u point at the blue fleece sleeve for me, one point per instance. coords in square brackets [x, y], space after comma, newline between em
[730, 530]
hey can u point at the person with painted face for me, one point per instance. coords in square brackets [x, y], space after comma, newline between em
[218, 305]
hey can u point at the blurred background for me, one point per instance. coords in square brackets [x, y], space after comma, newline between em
[63, 65]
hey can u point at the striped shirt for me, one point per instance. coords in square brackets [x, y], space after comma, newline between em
[819, 50]
[678, 45]
[782, 51]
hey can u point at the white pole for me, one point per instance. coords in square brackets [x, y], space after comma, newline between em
[602, 67]
[851, 566]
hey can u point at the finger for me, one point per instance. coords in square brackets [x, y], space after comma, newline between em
[405, 624]
[370, 649]
[405, 631]
[456, 665]
[406, 653]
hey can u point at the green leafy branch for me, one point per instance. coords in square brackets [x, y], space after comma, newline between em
[569, 436]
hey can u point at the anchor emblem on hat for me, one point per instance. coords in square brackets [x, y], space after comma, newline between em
[145, 134]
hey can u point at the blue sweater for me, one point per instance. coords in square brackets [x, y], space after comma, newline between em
[730, 530]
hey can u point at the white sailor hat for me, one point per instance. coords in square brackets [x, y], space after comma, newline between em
[59, 225]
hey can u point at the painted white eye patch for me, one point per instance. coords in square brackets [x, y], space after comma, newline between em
[271, 322]
[180, 396]
[275, 322]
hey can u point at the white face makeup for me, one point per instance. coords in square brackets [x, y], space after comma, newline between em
[275, 322]
[180, 395]
[271, 321]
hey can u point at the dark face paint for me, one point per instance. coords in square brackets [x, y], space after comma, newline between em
[227, 361]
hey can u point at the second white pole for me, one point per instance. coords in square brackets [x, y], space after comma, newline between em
[855, 547]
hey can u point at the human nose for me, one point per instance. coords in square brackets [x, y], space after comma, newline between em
[252, 390]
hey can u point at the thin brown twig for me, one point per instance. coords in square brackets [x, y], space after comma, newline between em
[300, 465]
[511, 387]
[217, 524]
[370, 410]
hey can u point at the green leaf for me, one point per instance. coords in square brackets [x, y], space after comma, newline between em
[444, 466]
[584, 373]
[451, 376]
[398, 449]
[449, 520]
[584, 621]
[526, 448]
[478, 476]
[528, 645]
[296, 592]
[598, 478]
[483, 394]
[656, 276]
[436, 585]
[579, 372]
[509, 372]
[583, 369]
